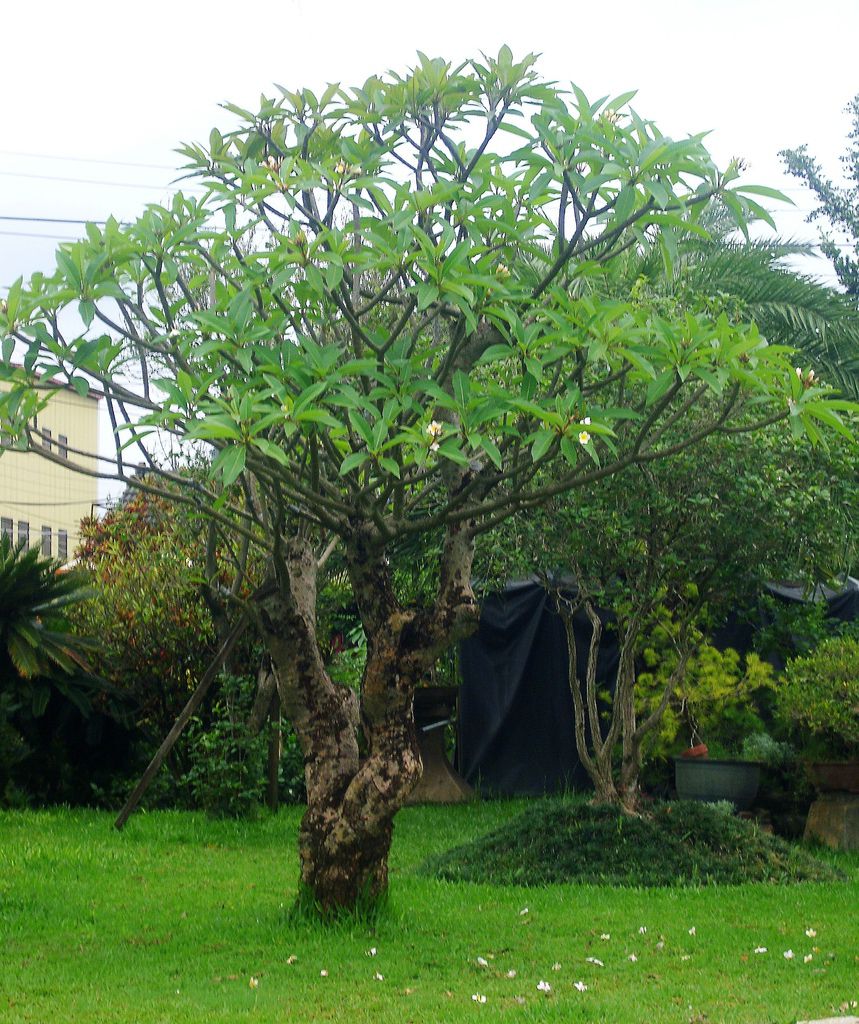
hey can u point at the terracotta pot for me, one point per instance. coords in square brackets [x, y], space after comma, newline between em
[834, 776]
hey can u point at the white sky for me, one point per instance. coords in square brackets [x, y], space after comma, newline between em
[111, 81]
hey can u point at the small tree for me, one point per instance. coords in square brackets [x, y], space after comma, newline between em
[671, 549]
[838, 204]
[385, 317]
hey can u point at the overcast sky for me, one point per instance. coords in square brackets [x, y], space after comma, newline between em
[87, 90]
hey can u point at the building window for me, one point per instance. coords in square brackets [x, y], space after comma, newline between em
[23, 533]
[62, 545]
[7, 528]
[64, 446]
[46, 541]
[46, 439]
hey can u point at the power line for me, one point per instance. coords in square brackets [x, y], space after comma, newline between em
[89, 181]
[87, 160]
[52, 220]
[34, 234]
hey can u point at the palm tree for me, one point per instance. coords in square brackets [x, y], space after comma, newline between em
[789, 307]
[35, 644]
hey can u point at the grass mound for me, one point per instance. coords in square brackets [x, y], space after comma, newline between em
[682, 843]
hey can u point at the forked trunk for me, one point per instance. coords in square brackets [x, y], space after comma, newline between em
[346, 832]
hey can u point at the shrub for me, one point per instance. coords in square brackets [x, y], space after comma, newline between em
[819, 697]
[227, 774]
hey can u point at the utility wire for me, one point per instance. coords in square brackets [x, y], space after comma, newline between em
[33, 234]
[52, 220]
[91, 181]
[87, 160]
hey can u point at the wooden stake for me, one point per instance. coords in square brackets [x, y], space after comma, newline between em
[194, 702]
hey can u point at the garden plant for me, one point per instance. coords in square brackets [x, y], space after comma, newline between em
[387, 314]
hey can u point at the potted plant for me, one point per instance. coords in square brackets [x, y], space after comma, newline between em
[819, 699]
[719, 699]
[697, 776]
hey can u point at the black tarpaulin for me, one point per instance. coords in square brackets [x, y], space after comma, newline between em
[516, 731]
[841, 604]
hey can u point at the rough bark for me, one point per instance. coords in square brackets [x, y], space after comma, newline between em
[346, 832]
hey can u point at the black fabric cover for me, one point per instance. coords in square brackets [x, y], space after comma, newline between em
[516, 731]
[840, 604]
[515, 734]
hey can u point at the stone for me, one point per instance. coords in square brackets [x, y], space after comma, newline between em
[833, 819]
[831, 1020]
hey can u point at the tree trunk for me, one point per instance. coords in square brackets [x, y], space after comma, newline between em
[345, 835]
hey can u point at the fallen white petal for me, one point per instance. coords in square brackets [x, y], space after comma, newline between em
[581, 986]
[593, 960]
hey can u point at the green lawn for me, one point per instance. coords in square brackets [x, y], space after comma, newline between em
[170, 920]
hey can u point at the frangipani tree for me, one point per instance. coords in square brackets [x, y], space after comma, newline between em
[385, 317]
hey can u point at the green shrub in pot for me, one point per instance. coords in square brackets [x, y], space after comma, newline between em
[818, 697]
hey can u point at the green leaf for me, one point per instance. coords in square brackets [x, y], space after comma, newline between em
[352, 461]
[461, 388]
[491, 449]
[427, 294]
[542, 443]
[230, 463]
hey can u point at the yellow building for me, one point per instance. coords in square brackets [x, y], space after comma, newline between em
[42, 500]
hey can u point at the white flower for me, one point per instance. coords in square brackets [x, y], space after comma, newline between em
[254, 982]
[760, 949]
[478, 998]
[593, 960]
[798, 370]
[323, 973]
[556, 967]
[371, 951]
[632, 958]
[435, 429]
[605, 936]
[586, 422]
[543, 986]
[292, 958]
[692, 930]
[511, 974]
[686, 957]
[788, 954]
[807, 959]
[481, 962]
[584, 437]
[660, 944]
[378, 977]
[434, 446]
[642, 930]
[523, 911]
[581, 986]
[811, 933]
